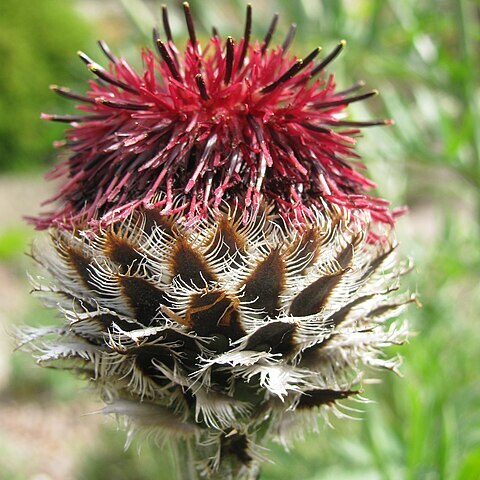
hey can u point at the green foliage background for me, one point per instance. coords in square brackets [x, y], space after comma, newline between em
[423, 56]
[38, 41]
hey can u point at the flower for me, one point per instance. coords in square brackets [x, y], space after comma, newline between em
[222, 273]
[233, 120]
[225, 333]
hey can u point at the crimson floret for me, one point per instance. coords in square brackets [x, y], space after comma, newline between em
[236, 122]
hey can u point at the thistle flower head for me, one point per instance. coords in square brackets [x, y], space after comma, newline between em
[222, 273]
[233, 120]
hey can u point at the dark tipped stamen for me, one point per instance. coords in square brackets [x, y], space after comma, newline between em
[201, 86]
[329, 58]
[124, 105]
[311, 57]
[290, 73]
[316, 128]
[215, 32]
[346, 101]
[229, 60]
[85, 58]
[106, 50]
[101, 73]
[270, 32]
[71, 118]
[296, 68]
[354, 88]
[290, 36]
[162, 50]
[166, 24]
[349, 123]
[190, 26]
[67, 93]
[168, 33]
[246, 35]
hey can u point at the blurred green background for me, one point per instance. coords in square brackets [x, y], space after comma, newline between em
[423, 56]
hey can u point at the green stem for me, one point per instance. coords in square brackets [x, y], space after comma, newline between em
[187, 458]
[184, 460]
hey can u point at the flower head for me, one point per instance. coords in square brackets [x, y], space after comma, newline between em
[233, 120]
[222, 273]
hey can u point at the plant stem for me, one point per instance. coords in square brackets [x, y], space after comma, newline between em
[184, 461]
[187, 458]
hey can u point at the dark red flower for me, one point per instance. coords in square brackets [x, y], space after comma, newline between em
[237, 121]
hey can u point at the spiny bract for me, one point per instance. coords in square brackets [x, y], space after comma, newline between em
[224, 333]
